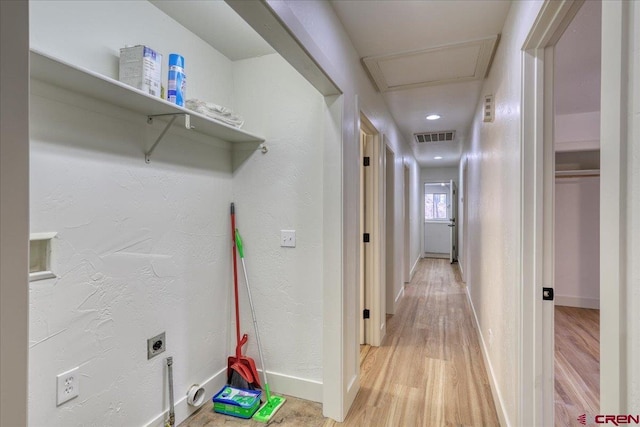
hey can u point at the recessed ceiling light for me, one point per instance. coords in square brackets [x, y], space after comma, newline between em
[437, 158]
[433, 117]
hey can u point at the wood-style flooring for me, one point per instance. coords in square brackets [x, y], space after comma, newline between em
[577, 364]
[429, 371]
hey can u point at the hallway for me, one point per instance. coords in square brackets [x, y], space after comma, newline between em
[429, 370]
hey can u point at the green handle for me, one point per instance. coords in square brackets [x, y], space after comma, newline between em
[239, 244]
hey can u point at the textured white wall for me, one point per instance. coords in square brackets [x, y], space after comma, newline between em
[282, 190]
[91, 33]
[145, 248]
[493, 223]
[577, 242]
[320, 31]
[141, 249]
[14, 211]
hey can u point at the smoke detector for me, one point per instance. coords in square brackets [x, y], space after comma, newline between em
[440, 136]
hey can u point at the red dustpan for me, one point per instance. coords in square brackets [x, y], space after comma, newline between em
[241, 370]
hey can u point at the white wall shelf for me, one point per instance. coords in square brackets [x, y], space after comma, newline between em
[72, 77]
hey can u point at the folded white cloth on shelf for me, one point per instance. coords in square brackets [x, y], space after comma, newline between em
[216, 112]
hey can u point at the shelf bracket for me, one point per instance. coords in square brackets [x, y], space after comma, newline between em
[187, 124]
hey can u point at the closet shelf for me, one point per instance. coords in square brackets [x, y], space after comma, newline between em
[77, 79]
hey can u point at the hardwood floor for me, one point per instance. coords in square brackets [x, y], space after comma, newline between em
[429, 370]
[577, 363]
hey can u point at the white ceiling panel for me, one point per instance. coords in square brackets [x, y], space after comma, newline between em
[379, 27]
[402, 42]
[438, 65]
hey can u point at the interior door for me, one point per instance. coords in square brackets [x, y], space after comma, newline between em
[453, 217]
[363, 152]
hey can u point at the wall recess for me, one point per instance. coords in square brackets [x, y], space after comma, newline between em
[40, 256]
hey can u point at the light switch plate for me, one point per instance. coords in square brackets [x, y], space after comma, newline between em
[288, 238]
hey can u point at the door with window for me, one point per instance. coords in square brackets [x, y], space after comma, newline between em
[437, 214]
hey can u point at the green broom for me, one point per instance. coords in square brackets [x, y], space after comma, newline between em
[273, 403]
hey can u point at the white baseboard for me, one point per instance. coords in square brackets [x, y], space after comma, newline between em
[182, 408]
[413, 269]
[294, 386]
[398, 298]
[279, 383]
[495, 391]
[436, 255]
[580, 302]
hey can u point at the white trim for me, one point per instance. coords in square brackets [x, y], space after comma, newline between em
[578, 173]
[182, 409]
[536, 380]
[294, 386]
[413, 269]
[41, 275]
[399, 296]
[495, 391]
[580, 302]
[279, 384]
[43, 236]
[436, 255]
[614, 115]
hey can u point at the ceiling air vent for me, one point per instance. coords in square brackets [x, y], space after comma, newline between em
[441, 136]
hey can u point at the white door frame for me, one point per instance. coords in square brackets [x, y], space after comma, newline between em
[424, 251]
[375, 268]
[618, 18]
[390, 229]
[463, 261]
[407, 223]
[537, 382]
[453, 222]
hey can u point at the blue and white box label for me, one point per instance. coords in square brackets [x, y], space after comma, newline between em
[141, 67]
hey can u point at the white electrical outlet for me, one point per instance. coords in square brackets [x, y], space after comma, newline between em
[288, 238]
[68, 385]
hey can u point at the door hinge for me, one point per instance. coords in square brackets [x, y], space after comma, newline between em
[365, 313]
[547, 294]
[366, 161]
[366, 237]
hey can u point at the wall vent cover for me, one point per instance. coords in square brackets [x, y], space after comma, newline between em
[440, 136]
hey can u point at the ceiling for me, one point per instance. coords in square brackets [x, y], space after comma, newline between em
[218, 25]
[388, 28]
[427, 57]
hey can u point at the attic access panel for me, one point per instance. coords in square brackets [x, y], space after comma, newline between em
[439, 136]
[451, 63]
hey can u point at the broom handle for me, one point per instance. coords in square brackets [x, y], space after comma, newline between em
[253, 315]
[235, 280]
